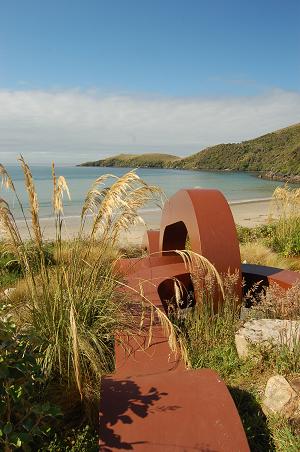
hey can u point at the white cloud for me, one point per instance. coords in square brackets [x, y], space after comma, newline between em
[75, 126]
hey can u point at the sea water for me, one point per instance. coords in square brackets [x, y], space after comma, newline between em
[235, 186]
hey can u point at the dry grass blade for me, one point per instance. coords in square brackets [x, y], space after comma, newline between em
[8, 226]
[6, 179]
[61, 187]
[112, 200]
[33, 201]
[115, 208]
[166, 324]
[286, 236]
[194, 262]
[75, 357]
[94, 196]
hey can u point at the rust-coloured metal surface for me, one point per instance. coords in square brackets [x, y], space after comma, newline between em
[175, 411]
[262, 276]
[205, 216]
[285, 278]
[151, 241]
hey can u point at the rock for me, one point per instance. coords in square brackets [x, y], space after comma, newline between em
[242, 346]
[280, 398]
[7, 292]
[266, 332]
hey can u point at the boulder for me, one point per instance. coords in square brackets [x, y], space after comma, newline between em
[280, 398]
[266, 332]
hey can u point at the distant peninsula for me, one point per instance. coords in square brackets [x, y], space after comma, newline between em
[275, 156]
[150, 160]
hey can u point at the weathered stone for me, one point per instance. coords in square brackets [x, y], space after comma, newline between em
[9, 291]
[280, 397]
[242, 345]
[266, 331]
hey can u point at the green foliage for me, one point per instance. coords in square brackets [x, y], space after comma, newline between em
[25, 419]
[208, 333]
[285, 434]
[11, 268]
[278, 152]
[282, 234]
[264, 232]
[79, 440]
[286, 236]
[151, 160]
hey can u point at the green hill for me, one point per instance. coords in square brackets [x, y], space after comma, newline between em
[153, 160]
[275, 153]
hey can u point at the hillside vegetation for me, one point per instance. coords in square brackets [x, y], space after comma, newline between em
[153, 160]
[275, 155]
[277, 152]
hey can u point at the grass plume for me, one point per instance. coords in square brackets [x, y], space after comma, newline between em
[76, 307]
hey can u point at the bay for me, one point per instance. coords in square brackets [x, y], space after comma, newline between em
[235, 186]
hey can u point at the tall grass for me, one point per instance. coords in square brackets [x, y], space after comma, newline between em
[278, 303]
[286, 235]
[259, 253]
[208, 333]
[76, 309]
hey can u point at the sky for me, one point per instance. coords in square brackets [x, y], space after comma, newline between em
[82, 80]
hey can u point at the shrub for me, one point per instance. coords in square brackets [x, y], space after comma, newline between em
[262, 232]
[25, 419]
[79, 440]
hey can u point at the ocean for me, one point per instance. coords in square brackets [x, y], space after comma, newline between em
[235, 186]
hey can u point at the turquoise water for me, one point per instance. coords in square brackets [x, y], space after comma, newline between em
[235, 186]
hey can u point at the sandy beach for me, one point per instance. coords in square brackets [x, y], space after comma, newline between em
[245, 213]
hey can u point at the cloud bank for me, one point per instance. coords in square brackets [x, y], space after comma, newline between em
[74, 126]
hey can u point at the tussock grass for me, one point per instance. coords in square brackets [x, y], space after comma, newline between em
[276, 244]
[258, 253]
[286, 237]
[278, 303]
[208, 333]
[75, 307]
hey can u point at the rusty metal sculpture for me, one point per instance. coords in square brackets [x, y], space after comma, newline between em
[152, 402]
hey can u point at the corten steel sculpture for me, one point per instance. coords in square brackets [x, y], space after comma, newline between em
[152, 402]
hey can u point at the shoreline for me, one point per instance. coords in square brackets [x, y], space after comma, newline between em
[266, 175]
[250, 213]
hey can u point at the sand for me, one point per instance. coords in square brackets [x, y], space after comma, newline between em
[246, 213]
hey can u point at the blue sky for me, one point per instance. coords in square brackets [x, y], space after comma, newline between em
[145, 58]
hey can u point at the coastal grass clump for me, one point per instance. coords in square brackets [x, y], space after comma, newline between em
[276, 243]
[278, 303]
[207, 330]
[259, 253]
[72, 301]
[286, 236]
